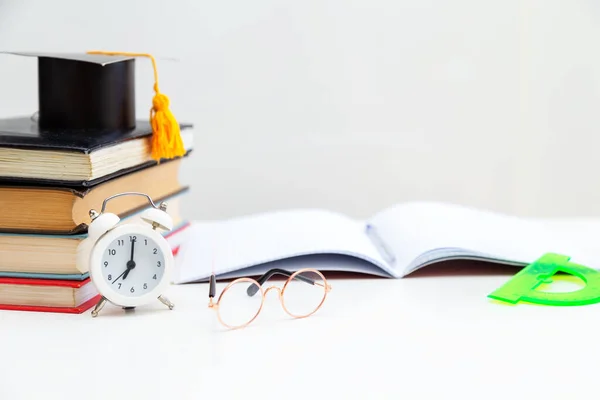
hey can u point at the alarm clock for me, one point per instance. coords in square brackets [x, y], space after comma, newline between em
[130, 263]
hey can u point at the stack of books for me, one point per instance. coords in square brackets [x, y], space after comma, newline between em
[84, 146]
[46, 192]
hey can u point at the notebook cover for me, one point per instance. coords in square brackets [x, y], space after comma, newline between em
[65, 310]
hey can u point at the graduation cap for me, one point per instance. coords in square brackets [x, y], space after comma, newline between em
[95, 91]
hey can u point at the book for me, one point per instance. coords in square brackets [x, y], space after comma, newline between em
[55, 257]
[62, 296]
[74, 157]
[65, 210]
[392, 243]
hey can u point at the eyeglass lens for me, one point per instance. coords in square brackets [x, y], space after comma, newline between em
[236, 307]
[304, 293]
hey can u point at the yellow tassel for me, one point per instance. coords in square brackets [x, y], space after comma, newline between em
[166, 136]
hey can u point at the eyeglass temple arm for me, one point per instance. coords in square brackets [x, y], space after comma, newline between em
[252, 289]
[212, 289]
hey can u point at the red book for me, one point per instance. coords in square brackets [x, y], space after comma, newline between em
[47, 295]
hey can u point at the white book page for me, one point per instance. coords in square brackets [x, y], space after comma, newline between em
[231, 245]
[410, 230]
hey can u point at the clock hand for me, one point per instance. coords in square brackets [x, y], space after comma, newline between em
[130, 263]
[120, 275]
[132, 247]
[130, 266]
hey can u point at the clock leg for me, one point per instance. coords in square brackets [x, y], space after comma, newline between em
[98, 307]
[166, 302]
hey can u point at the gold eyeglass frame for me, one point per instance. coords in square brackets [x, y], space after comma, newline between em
[263, 293]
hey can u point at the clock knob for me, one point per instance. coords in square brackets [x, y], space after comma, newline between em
[158, 219]
[101, 224]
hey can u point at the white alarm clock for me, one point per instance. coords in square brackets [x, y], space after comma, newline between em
[130, 264]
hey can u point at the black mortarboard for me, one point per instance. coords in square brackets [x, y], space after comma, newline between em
[95, 91]
[84, 91]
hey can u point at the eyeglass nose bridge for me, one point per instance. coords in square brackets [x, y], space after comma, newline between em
[278, 290]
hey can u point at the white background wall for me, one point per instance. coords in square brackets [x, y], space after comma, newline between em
[353, 105]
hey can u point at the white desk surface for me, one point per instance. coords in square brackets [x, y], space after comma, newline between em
[430, 337]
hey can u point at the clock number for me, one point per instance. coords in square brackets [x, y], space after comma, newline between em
[112, 252]
[109, 277]
[119, 285]
[154, 277]
[158, 264]
[120, 242]
[155, 250]
[145, 286]
[133, 238]
[146, 242]
[131, 290]
[105, 263]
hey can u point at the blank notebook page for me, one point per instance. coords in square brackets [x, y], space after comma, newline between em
[412, 229]
[241, 242]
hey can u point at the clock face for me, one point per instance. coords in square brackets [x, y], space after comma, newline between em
[133, 264]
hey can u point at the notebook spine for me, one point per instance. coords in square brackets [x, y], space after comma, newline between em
[380, 245]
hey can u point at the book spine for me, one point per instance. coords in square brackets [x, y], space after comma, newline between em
[382, 248]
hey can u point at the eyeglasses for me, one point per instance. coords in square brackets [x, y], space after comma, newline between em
[303, 293]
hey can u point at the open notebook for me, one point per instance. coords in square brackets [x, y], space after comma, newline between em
[392, 243]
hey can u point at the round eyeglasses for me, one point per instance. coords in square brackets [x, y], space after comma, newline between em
[302, 294]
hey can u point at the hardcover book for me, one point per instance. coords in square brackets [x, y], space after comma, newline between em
[61, 296]
[34, 155]
[64, 210]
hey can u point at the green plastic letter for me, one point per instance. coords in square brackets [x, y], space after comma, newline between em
[522, 286]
